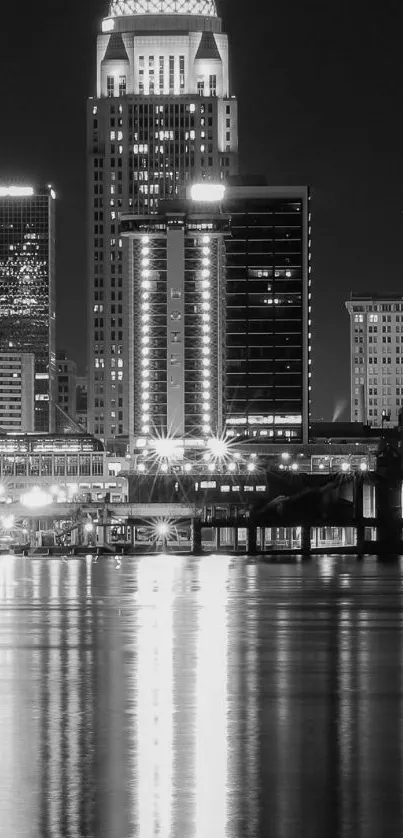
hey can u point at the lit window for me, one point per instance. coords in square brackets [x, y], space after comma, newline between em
[110, 86]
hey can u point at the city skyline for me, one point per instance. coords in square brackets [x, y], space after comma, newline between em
[289, 119]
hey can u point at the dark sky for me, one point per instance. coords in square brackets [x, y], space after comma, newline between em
[320, 96]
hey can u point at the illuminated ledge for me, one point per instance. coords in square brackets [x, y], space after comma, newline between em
[122, 8]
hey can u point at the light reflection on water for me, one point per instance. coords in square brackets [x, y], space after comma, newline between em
[174, 696]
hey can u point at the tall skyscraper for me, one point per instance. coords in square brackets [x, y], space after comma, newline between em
[268, 313]
[162, 119]
[176, 276]
[27, 287]
[376, 357]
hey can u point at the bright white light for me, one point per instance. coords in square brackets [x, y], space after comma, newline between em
[294, 466]
[141, 468]
[211, 466]
[363, 466]
[36, 498]
[89, 526]
[162, 528]
[108, 24]
[145, 239]
[206, 239]
[16, 191]
[231, 467]
[345, 466]
[145, 429]
[285, 455]
[207, 192]
[7, 522]
[251, 466]
[321, 466]
[188, 467]
[165, 448]
[218, 447]
[164, 467]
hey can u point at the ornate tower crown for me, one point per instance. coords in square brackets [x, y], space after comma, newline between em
[122, 8]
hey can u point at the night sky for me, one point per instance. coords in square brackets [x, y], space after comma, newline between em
[320, 96]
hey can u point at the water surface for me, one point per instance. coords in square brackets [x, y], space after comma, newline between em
[200, 698]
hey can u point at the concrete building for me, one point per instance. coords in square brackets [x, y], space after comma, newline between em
[27, 287]
[82, 401]
[17, 379]
[176, 274]
[268, 313]
[66, 384]
[376, 357]
[163, 118]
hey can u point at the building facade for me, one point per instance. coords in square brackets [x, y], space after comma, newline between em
[66, 384]
[163, 118]
[176, 273]
[17, 399]
[268, 313]
[27, 287]
[376, 353]
[82, 401]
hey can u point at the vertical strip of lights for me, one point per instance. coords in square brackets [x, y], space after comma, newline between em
[211, 785]
[145, 333]
[155, 709]
[206, 333]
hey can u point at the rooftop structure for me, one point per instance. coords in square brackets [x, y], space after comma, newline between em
[120, 8]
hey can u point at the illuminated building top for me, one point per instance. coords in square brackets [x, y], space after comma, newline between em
[122, 8]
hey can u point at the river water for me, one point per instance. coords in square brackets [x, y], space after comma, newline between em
[201, 698]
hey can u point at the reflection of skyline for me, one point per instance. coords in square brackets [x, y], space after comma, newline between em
[198, 697]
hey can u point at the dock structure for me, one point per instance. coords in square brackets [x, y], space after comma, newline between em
[326, 497]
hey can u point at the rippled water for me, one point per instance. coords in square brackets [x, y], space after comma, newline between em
[180, 698]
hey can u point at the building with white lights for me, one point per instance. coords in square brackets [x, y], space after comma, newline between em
[376, 357]
[27, 287]
[176, 363]
[17, 379]
[268, 313]
[163, 118]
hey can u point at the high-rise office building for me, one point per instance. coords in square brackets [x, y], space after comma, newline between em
[163, 117]
[176, 276]
[220, 334]
[376, 357]
[27, 287]
[268, 313]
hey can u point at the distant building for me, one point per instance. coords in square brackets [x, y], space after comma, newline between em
[376, 357]
[163, 118]
[267, 313]
[66, 384]
[17, 378]
[82, 401]
[27, 287]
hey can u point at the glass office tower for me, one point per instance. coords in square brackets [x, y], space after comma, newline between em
[27, 287]
[268, 313]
